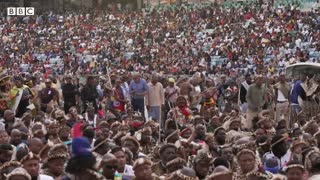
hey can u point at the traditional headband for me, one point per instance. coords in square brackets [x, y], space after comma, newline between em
[29, 156]
[259, 174]
[185, 177]
[311, 152]
[10, 163]
[295, 166]
[214, 175]
[244, 151]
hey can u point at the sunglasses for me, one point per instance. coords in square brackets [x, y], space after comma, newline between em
[111, 167]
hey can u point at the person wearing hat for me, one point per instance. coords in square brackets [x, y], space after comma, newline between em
[171, 93]
[296, 148]
[234, 124]
[142, 169]
[255, 98]
[18, 173]
[202, 163]
[167, 153]
[20, 95]
[312, 163]
[70, 94]
[109, 165]
[6, 153]
[220, 173]
[261, 176]
[247, 161]
[53, 132]
[220, 136]
[295, 171]
[57, 157]
[48, 96]
[8, 167]
[175, 164]
[31, 163]
[133, 144]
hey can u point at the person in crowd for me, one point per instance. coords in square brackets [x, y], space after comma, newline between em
[57, 157]
[109, 165]
[123, 168]
[155, 98]
[70, 94]
[142, 169]
[89, 94]
[255, 98]
[138, 91]
[282, 90]
[20, 95]
[47, 96]
[31, 164]
[243, 93]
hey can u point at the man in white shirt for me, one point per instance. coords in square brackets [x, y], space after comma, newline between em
[155, 98]
[282, 91]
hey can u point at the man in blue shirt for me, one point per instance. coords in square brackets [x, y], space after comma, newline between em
[297, 91]
[138, 90]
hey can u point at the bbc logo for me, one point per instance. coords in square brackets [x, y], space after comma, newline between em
[20, 11]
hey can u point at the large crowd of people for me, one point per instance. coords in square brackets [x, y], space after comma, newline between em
[185, 93]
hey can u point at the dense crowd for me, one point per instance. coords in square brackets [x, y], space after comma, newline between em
[186, 94]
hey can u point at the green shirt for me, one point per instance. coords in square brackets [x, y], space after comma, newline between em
[255, 97]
